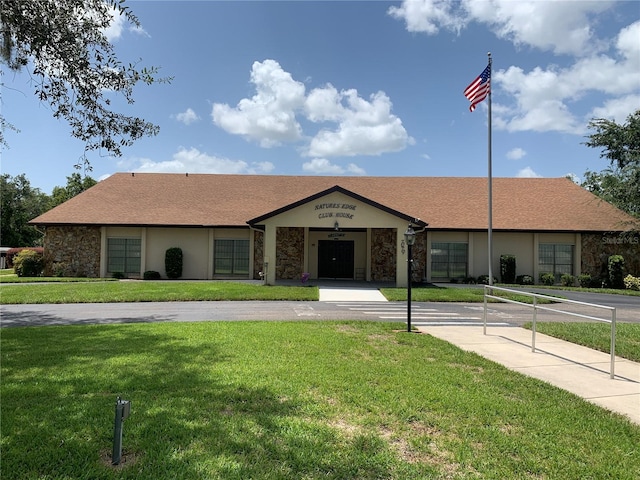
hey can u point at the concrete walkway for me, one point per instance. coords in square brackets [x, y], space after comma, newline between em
[350, 294]
[574, 368]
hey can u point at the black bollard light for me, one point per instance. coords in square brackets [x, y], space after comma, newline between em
[123, 408]
[410, 238]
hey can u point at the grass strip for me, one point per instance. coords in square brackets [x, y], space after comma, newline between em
[263, 400]
[150, 291]
[454, 294]
[596, 335]
[13, 278]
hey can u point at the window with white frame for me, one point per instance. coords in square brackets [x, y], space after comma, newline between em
[123, 255]
[555, 258]
[231, 257]
[449, 260]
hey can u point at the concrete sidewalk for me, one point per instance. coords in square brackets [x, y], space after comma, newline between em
[580, 370]
[350, 294]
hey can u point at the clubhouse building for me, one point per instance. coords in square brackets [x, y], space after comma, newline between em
[279, 228]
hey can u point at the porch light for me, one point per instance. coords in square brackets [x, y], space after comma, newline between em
[410, 238]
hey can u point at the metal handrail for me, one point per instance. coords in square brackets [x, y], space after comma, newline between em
[537, 307]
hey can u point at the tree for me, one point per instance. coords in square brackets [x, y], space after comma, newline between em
[74, 67]
[76, 184]
[20, 203]
[618, 184]
[621, 143]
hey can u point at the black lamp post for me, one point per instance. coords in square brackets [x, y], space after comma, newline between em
[410, 238]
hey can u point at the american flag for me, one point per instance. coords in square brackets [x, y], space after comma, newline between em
[479, 88]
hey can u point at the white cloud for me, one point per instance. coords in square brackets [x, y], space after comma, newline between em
[118, 22]
[527, 172]
[516, 154]
[360, 127]
[428, 15]
[628, 44]
[364, 127]
[187, 117]
[322, 166]
[114, 30]
[261, 167]
[269, 116]
[574, 178]
[545, 98]
[617, 109]
[193, 161]
[562, 27]
[354, 169]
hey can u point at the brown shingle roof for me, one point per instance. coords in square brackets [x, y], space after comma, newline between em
[154, 199]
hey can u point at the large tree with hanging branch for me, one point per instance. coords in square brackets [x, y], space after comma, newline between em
[74, 69]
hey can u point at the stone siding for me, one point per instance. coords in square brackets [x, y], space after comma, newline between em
[419, 253]
[383, 254]
[597, 248]
[258, 253]
[289, 253]
[72, 251]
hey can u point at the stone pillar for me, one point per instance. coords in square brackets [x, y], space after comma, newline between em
[383, 254]
[258, 253]
[290, 253]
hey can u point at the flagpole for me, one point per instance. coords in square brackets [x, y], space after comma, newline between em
[490, 180]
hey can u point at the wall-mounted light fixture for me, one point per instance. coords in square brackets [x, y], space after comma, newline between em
[336, 226]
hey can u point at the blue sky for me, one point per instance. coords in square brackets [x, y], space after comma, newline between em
[354, 88]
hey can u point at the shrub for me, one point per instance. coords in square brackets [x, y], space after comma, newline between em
[547, 278]
[616, 271]
[567, 280]
[28, 263]
[151, 275]
[469, 280]
[508, 268]
[484, 280]
[585, 280]
[59, 268]
[118, 275]
[524, 280]
[631, 282]
[12, 252]
[173, 262]
[600, 282]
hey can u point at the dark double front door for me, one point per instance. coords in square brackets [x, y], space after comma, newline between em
[335, 259]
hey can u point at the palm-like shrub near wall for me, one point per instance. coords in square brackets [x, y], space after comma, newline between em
[616, 271]
[508, 268]
[173, 262]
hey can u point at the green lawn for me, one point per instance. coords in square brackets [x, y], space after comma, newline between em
[451, 294]
[289, 400]
[150, 291]
[77, 291]
[597, 336]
